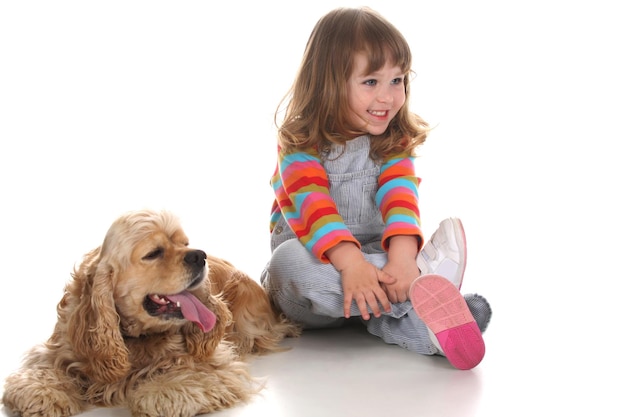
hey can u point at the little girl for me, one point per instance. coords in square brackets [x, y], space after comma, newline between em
[345, 228]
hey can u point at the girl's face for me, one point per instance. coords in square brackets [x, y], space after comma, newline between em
[375, 98]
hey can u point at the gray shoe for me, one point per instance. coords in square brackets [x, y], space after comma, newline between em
[480, 309]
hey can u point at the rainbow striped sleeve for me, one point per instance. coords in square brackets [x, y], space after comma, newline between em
[397, 198]
[302, 196]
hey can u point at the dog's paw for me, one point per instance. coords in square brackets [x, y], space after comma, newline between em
[43, 403]
[38, 394]
[161, 407]
[189, 392]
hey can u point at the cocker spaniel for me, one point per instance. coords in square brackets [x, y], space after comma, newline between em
[149, 324]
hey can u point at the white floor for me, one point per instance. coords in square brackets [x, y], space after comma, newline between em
[108, 107]
[347, 372]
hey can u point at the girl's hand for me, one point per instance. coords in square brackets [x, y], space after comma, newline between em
[404, 274]
[361, 281]
[402, 265]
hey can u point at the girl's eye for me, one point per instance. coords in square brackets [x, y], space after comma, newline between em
[370, 82]
[398, 80]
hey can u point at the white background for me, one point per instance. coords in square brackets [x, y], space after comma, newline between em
[117, 105]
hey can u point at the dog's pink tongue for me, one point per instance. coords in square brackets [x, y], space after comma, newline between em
[193, 310]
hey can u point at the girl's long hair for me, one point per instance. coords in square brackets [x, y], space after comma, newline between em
[317, 112]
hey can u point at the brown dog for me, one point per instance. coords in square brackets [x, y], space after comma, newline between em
[150, 324]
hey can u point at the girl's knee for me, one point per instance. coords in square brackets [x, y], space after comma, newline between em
[286, 257]
[293, 268]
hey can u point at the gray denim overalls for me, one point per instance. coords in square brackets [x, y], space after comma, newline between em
[309, 291]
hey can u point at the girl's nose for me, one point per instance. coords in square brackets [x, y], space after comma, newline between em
[384, 96]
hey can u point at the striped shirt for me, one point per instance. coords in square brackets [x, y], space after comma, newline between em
[302, 193]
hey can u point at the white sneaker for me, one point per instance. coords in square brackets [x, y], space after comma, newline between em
[446, 252]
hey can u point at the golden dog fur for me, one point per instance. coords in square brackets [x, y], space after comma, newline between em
[120, 341]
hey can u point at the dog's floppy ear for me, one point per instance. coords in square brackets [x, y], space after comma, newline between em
[93, 325]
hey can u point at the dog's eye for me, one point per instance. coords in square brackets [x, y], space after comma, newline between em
[157, 253]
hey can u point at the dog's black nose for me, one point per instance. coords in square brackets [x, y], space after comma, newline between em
[195, 258]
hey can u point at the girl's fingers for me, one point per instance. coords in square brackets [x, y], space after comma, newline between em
[384, 277]
[373, 303]
[347, 303]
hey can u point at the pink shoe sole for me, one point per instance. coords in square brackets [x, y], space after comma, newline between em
[443, 309]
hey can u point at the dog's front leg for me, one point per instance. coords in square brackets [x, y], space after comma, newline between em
[42, 392]
[189, 391]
